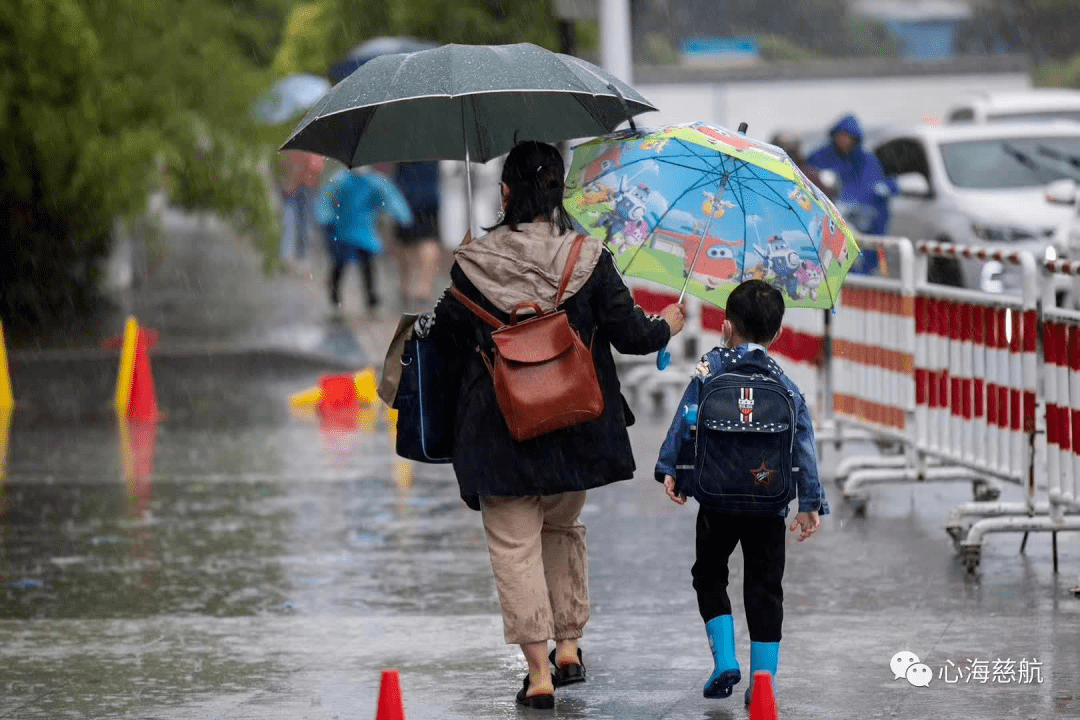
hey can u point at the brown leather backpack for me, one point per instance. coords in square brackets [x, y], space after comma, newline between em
[545, 378]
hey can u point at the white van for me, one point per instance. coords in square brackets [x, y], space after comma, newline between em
[1019, 106]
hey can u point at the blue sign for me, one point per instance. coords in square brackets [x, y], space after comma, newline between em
[727, 46]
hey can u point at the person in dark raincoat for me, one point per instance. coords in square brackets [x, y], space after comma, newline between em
[864, 187]
[532, 492]
[791, 144]
[420, 251]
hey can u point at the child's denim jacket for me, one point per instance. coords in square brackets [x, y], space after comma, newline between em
[810, 494]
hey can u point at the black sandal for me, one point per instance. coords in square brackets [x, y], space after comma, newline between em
[537, 702]
[568, 674]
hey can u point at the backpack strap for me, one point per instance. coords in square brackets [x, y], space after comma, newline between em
[571, 262]
[476, 309]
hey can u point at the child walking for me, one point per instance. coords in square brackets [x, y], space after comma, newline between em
[742, 444]
[349, 207]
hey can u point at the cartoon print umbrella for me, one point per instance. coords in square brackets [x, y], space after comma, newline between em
[700, 208]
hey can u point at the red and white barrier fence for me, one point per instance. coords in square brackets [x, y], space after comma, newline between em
[972, 414]
[872, 363]
[965, 382]
[967, 335]
[1047, 413]
[979, 409]
[1061, 354]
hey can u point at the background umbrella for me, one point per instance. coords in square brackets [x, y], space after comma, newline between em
[701, 208]
[290, 97]
[463, 102]
[373, 48]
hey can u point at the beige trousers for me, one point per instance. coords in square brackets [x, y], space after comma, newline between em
[537, 549]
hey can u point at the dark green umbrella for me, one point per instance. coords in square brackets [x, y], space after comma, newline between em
[463, 102]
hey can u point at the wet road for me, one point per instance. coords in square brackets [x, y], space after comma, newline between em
[259, 565]
[237, 561]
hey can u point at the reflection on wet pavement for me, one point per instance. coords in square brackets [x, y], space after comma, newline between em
[259, 520]
[238, 561]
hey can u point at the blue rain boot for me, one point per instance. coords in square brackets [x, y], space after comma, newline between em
[763, 656]
[725, 674]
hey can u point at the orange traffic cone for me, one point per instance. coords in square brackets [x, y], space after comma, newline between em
[135, 397]
[143, 398]
[338, 394]
[762, 698]
[7, 401]
[390, 707]
[5, 426]
[337, 403]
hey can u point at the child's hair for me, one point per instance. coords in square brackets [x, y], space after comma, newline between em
[534, 173]
[756, 310]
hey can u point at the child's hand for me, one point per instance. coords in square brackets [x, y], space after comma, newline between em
[808, 522]
[669, 485]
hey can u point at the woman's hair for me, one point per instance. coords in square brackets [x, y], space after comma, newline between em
[534, 173]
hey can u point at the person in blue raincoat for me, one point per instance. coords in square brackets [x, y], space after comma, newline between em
[349, 207]
[864, 187]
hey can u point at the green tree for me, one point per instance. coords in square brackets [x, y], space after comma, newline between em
[1044, 29]
[1064, 73]
[103, 102]
[320, 32]
[305, 43]
[480, 21]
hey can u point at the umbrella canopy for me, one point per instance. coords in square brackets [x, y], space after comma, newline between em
[463, 102]
[701, 208]
[373, 48]
[290, 97]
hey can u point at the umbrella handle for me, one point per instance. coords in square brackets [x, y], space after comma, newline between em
[663, 358]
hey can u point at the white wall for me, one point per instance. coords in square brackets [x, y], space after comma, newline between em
[807, 105]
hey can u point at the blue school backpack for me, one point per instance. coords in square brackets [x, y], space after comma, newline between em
[745, 438]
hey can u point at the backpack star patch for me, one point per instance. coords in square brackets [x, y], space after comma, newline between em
[763, 475]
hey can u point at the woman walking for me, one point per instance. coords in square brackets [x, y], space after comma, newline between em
[531, 492]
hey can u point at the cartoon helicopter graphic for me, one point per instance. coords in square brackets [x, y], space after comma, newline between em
[800, 197]
[713, 207]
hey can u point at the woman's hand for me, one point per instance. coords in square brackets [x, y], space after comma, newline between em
[675, 315]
